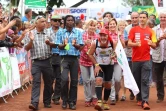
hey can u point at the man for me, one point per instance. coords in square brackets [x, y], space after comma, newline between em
[140, 39]
[159, 56]
[108, 15]
[56, 59]
[79, 25]
[69, 41]
[128, 50]
[28, 15]
[152, 16]
[41, 63]
[128, 19]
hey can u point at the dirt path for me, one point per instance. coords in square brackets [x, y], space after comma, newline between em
[21, 102]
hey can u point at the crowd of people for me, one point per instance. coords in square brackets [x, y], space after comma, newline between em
[64, 47]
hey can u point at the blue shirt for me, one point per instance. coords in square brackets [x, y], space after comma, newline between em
[55, 50]
[97, 31]
[125, 35]
[24, 19]
[74, 34]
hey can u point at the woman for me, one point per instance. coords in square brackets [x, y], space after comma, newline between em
[121, 26]
[86, 66]
[114, 34]
[101, 53]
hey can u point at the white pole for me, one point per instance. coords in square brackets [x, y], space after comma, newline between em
[22, 6]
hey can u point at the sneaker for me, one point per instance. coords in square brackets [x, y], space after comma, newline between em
[99, 105]
[145, 106]
[123, 98]
[33, 107]
[132, 97]
[113, 102]
[94, 101]
[139, 103]
[87, 103]
[159, 100]
[106, 106]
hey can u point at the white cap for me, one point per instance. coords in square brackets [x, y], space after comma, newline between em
[128, 17]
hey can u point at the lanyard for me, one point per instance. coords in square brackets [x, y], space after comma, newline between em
[69, 36]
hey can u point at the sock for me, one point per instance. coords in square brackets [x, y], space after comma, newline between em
[99, 92]
[106, 94]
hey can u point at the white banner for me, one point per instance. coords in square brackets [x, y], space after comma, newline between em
[129, 80]
[15, 72]
[118, 12]
[76, 12]
[5, 72]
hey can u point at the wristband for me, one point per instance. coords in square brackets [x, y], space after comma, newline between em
[96, 64]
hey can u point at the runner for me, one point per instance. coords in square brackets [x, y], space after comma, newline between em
[101, 53]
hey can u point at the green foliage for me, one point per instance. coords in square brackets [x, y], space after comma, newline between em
[137, 3]
[58, 3]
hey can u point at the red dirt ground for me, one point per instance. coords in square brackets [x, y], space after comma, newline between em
[21, 102]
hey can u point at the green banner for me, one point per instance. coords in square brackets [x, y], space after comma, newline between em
[36, 3]
[149, 9]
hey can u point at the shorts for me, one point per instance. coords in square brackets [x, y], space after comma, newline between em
[107, 72]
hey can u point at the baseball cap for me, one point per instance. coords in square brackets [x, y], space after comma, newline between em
[103, 31]
[128, 17]
[56, 17]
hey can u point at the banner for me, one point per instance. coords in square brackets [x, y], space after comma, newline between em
[15, 72]
[118, 12]
[76, 12]
[129, 80]
[149, 9]
[20, 53]
[36, 5]
[5, 72]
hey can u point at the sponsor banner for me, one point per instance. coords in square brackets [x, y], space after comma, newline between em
[76, 12]
[5, 72]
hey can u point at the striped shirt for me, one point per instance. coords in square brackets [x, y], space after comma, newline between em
[40, 49]
[55, 50]
[74, 34]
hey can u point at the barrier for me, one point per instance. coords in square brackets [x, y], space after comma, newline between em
[14, 71]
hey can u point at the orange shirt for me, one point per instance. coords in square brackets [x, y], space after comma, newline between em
[137, 33]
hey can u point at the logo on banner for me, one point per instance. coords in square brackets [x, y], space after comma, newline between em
[76, 12]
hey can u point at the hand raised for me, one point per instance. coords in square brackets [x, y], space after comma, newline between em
[11, 23]
[31, 36]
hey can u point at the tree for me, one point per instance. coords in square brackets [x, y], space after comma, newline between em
[58, 3]
[137, 3]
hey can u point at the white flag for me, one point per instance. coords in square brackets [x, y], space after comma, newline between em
[129, 80]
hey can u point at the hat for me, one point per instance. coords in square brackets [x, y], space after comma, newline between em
[103, 31]
[10, 31]
[128, 17]
[56, 17]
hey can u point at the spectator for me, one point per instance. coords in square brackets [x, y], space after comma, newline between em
[28, 15]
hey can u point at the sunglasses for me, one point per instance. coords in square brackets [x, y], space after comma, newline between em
[144, 12]
[39, 17]
[56, 20]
